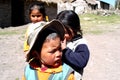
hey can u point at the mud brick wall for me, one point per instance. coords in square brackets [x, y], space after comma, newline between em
[5, 14]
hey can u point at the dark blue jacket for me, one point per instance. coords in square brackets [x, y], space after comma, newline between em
[76, 54]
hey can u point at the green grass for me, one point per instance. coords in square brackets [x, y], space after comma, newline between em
[12, 32]
[17, 79]
[8, 32]
[97, 24]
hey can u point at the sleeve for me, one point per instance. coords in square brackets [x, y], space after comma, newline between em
[26, 46]
[77, 59]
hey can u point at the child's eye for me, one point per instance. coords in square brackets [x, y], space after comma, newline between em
[38, 15]
[52, 51]
[33, 15]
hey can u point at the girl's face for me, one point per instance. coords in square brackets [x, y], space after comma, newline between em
[51, 53]
[36, 16]
[68, 36]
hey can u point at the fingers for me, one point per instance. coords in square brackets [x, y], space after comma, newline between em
[63, 44]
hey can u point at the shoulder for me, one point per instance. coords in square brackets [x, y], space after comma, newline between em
[80, 41]
[70, 73]
[28, 68]
[67, 71]
[76, 43]
[30, 73]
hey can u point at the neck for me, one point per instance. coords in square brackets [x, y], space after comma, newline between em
[43, 68]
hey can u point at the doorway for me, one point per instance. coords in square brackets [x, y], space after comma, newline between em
[17, 17]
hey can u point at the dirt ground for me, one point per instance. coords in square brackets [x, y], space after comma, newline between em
[104, 62]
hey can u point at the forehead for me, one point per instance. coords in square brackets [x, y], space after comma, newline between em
[35, 11]
[55, 42]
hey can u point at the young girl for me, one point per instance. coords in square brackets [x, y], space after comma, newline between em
[36, 14]
[45, 54]
[77, 53]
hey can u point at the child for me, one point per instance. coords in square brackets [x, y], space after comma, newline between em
[77, 53]
[36, 14]
[45, 54]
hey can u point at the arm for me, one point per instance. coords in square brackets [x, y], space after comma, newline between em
[77, 59]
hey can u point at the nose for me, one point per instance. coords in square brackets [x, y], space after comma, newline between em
[35, 17]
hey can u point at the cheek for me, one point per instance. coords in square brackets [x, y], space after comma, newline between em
[49, 59]
[32, 19]
[67, 37]
[40, 19]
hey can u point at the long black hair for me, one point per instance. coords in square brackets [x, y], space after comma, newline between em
[71, 20]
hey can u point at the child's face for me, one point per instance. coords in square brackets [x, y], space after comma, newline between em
[36, 16]
[68, 36]
[51, 53]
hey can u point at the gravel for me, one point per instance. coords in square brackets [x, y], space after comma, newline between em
[103, 64]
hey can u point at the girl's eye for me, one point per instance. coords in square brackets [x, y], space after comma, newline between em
[33, 15]
[38, 15]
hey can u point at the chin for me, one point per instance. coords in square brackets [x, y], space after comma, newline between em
[57, 65]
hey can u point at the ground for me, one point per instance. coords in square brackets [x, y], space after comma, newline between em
[103, 64]
[104, 59]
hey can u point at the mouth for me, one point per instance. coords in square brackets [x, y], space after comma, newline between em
[58, 61]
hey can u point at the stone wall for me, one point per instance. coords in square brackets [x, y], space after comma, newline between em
[5, 13]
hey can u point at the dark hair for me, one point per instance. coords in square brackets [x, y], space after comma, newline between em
[71, 20]
[37, 5]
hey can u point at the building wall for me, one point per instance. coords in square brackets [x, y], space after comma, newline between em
[6, 17]
[17, 12]
[79, 6]
[51, 10]
[10, 15]
[5, 13]
[104, 5]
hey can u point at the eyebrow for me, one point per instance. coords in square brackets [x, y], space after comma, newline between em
[59, 45]
[56, 48]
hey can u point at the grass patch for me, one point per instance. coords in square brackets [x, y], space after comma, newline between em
[12, 31]
[8, 32]
[17, 79]
[97, 24]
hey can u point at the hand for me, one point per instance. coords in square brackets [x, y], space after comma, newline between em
[63, 44]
